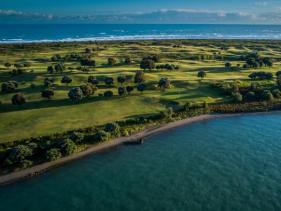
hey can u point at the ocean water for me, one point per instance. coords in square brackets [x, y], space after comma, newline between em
[15, 33]
[223, 164]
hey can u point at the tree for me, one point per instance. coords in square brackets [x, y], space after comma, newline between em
[102, 136]
[129, 89]
[267, 95]
[276, 93]
[8, 65]
[121, 79]
[139, 77]
[127, 60]
[201, 74]
[53, 154]
[111, 61]
[18, 154]
[250, 96]
[76, 137]
[50, 69]
[48, 82]
[261, 75]
[59, 68]
[109, 81]
[66, 80]
[228, 65]
[88, 89]
[122, 91]
[9, 86]
[113, 128]
[237, 97]
[88, 62]
[18, 99]
[75, 94]
[93, 80]
[164, 83]
[68, 147]
[279, 81]
[147, 64]
[47, 93]
[108, 93]
[140, 87]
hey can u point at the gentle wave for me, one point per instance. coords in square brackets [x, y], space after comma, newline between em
[145, 37]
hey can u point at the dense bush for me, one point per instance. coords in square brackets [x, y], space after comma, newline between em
[127, 60]
[76, 137]
[53, 154]
[9, 86]
[75, 94]
[93, 80]
[47, 93]
[113, 128]
[201, 74]
[254, 60]
[267, 95]
[129, 89]
[109, 81]
[18, 99]
[139, 77]
[59, 68]
[68, 147]
[164, 83]
[237, 97]
[18, 154]
[102, 136]
[66, 79]
[88, 62]
[108, 93]
[88, 89]
[121, 79]
[50, 69]
[111, 61]
[167, 67]
[261, 75]
[122, 91]
[140, 87]
[48, 82]
[147, 64]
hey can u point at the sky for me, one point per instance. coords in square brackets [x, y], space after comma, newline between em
[141, 11]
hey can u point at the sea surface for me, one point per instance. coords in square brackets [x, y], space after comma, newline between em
[24, 33]
[231, 163]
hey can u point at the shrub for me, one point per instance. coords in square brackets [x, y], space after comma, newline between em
[261, 75]
[53, 154]
[140, 87]
[237, 97]
[101, 136]
[276, 93]
[250, 96]
[227, 65]
[68, 147]
[164, 83]
[111, 61]
[88, 89]
[201, 74]
[88, 62]
[9, 86]
[108, 93]
[59, 68]
[109, 81]
[75, 94]
[18, 154]
[47, 93]
[147, 64]
[77, 137]
[50, 69]
[139, 77]
[93, 80]
[129, 89]
[267, 96]
[113, 128]
[127, 60]
[122, 91]
[18, 99]
[48, 82]
[121, 79]
[66, 80]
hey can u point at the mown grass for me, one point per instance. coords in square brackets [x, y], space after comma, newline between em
[41, 117]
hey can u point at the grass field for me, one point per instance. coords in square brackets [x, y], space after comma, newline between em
[42, 116]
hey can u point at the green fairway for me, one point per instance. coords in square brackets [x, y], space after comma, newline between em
[40, 116]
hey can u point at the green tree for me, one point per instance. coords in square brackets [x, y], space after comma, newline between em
[53, 154]
[75, 94]
[18, 99]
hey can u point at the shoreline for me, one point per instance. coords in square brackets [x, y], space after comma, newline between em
[41, 168]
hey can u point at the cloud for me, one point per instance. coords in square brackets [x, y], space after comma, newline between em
[162, 16]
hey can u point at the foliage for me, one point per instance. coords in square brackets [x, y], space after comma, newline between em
[53, 154]
[75, 94]
[47, 93]
[18, 99]
[9, 86]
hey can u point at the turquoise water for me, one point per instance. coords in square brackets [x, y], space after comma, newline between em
[231, 163]
[24, 33]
